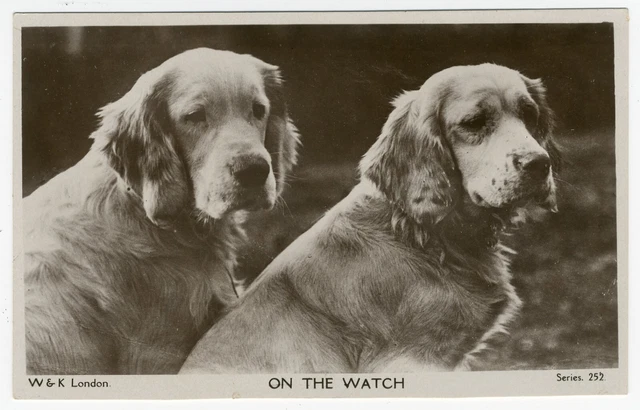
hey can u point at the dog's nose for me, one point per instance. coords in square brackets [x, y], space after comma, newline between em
[252, 172]
[535, 165]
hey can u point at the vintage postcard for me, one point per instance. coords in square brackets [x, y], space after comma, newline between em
[349, 204]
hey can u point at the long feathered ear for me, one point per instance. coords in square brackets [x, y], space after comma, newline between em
[411, 162]
[546, 121]
[135, 135]
[282, 138]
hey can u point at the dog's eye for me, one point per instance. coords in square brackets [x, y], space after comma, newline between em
[475, 123]
[196, 116]
[259, 110]
[530, 115]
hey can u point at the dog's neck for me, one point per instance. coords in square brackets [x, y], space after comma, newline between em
[467, 226]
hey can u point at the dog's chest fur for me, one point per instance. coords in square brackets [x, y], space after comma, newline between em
[394, 300]
[139, 295]
[442, 315]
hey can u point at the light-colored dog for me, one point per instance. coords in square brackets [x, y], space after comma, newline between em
[407, 272]
[128, 254]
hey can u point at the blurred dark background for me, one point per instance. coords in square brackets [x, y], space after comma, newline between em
[340, 80]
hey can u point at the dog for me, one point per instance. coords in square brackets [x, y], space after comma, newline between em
[129, 254]
[407, 273]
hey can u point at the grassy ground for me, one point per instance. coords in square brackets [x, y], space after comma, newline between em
[565, 269]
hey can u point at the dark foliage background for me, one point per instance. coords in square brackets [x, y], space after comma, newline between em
[340, 80]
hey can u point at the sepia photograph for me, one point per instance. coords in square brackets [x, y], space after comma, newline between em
[316, 198]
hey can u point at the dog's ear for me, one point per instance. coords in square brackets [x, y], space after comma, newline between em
[282, 138]
[546, 121]
[135, 135]
[411, 162]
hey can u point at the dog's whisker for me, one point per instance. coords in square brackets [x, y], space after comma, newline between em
[284, 203]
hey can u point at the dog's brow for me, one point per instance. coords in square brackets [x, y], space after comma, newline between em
[484, 92]
[524, 102]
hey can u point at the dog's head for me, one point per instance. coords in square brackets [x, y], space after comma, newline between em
[207, 129]
[479, 133]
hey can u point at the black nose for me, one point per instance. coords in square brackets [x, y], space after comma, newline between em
[535, 165]
[251, 172]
